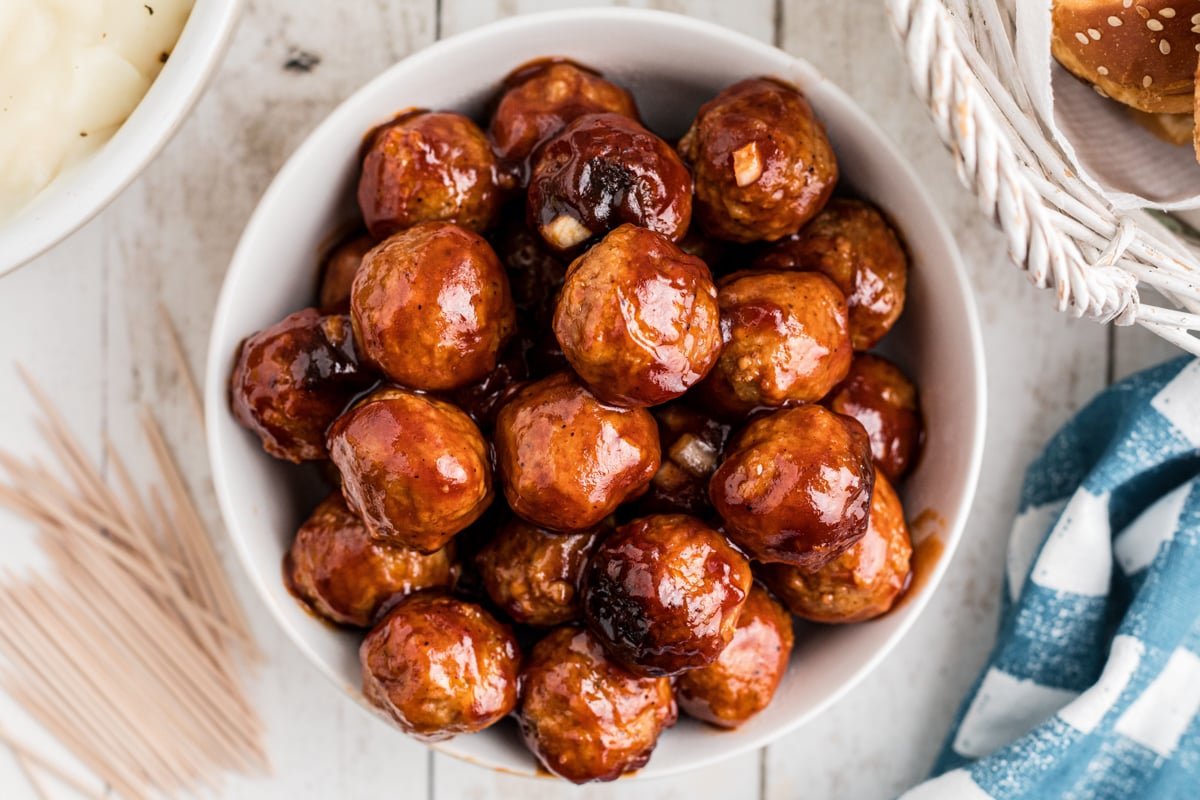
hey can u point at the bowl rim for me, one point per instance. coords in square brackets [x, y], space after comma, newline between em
[217, 363]
[81, 192]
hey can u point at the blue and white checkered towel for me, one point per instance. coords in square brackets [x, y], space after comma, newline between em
[1093, 690]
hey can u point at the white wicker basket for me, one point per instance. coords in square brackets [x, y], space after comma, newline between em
[1064, 234]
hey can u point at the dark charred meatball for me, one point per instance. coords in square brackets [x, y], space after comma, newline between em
[637, 318]
[884, 400]
[427, 166]
[349, 578]
[664, 592]
[338, 269]
[440, 666]
[293, 379]
[761, 162]
[795, 486]
[416, 469]
[567, 460]
[431, 307]
[863, 582]
[601, 171]
[853, 244]
[691, 443]
[586, 717]
[786, 341]
[745, 676]
[539, 100]
[533, 574]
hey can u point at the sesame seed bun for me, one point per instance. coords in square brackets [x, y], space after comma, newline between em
[1139, 52]
[1196, 114]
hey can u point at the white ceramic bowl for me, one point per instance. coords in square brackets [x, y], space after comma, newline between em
[672, 64]
[81, 192]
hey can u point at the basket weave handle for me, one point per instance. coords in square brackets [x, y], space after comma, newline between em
[1058, 229]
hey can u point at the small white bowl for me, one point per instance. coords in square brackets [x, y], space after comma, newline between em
[82, 191]
[672, 64]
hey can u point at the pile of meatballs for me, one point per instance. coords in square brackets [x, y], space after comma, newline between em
[598, 414]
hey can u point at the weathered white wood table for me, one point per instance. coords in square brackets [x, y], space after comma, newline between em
[85, 320]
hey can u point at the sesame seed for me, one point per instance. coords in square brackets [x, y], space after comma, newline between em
[1196, 19]
[1115, 22]
[1167, 13]
[1196, 28]
[1099, 91]
[1102, 70]
[1146, 81]
[1164, 47]
[1082, 39]
[1127, 3]
[1141, 10]
[1095, 34]
[1154, 25]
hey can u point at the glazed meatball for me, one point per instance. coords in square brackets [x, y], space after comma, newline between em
[347, 577]
[567, 460]
[440, 666]
[603, 170]
[664, 592]
[691, 443]
[293, 379]
[416, 469]
[533, 574]
[338, 269]
[637, 318]
[541, 98]
[431, 307]
[427, 166]
[795, 486]
[861, 583]
[761, 162]
[745, 676]
[853, 244]
[884, 400]
[583, 715]
[786, 341]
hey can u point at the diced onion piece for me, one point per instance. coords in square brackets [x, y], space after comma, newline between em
[694, 455]
[747, 164]
[564, 232]
[670, 478]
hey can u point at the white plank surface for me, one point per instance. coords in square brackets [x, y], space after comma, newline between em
[84, 318]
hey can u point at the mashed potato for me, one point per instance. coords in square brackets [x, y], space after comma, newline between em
[71, 71]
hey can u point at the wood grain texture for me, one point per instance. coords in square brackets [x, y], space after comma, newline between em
[85, 319]
[753, 17]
